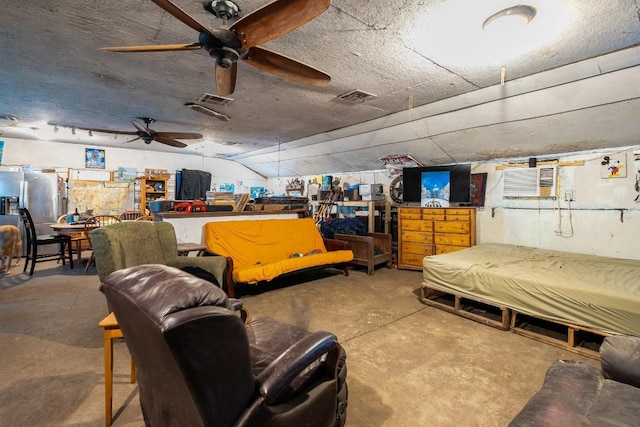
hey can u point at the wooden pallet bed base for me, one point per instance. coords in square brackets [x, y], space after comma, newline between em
[569, 334]
[560, 334]
[464, 305]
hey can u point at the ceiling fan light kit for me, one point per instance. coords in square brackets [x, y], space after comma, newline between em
[523, 12]
[224, 9]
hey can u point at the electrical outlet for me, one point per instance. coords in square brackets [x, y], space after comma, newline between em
[569, 195]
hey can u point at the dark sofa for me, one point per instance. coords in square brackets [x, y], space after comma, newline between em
[579, 394]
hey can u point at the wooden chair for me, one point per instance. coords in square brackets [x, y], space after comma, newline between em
[130, 215]
[92, 223]
[144, 218]
[34, 241]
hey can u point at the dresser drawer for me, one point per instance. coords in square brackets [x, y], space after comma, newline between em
[417, 248]
[416, 237]
[417, 225]
[453, 239]
[433, 217]
[452, 227]
[444, 249]
[454, 212]
[410, 215]
[405, 212]
[432, 211]
[411, 260]
[463, 218]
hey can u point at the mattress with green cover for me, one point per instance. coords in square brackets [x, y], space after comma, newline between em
[584, 290]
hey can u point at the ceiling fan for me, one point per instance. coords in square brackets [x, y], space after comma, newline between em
[148, 135]
[240, 41]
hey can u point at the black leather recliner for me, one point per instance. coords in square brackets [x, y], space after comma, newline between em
[198, 364]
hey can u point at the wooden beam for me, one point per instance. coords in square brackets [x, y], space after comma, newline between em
[547, 163]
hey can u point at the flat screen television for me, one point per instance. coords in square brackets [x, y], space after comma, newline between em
[437, 186]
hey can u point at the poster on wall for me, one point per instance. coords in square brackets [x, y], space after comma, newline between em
[435, 189]
[614, 166]
[478, 188]
[126, 174]
[258, 192]
[1, 150]
[94, 158]
[228, 187]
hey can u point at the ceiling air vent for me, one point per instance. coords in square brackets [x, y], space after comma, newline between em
[356, 96]
[210, 99]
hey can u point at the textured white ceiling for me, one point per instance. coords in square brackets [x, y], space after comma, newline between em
[435, 73]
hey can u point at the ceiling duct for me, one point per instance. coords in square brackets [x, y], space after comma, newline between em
[356, 96]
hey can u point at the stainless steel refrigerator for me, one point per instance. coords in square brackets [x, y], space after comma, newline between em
[38, 192]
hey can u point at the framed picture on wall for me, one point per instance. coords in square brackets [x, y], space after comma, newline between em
[614, 166]
[94, 158]
[478, 188]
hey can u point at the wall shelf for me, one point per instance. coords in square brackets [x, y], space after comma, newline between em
[371, 206]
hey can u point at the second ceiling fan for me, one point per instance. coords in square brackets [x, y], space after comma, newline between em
[228, 45]
[148, 135]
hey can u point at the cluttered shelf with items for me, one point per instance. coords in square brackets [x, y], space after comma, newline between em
[361, 208]
[364, 200]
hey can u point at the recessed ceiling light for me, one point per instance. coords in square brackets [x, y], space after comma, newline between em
[524, 13]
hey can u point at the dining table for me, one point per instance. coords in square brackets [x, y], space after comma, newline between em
[76, 231]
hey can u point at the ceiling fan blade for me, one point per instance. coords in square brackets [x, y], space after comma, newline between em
[178, 135]
[170, 141]
[183, 16]
[226, 79]
[154, 48]
[285, 67]
[131, 140]
[276, 19]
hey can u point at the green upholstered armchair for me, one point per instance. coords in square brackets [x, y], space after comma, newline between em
[130, 243]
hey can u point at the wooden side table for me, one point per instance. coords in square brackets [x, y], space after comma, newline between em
[111, 331]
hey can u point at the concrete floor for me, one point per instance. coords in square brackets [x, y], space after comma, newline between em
[409, 364]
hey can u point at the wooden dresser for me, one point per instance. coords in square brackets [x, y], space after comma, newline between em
[431, 231]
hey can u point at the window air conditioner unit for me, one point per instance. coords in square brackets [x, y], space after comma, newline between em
[530, 182]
